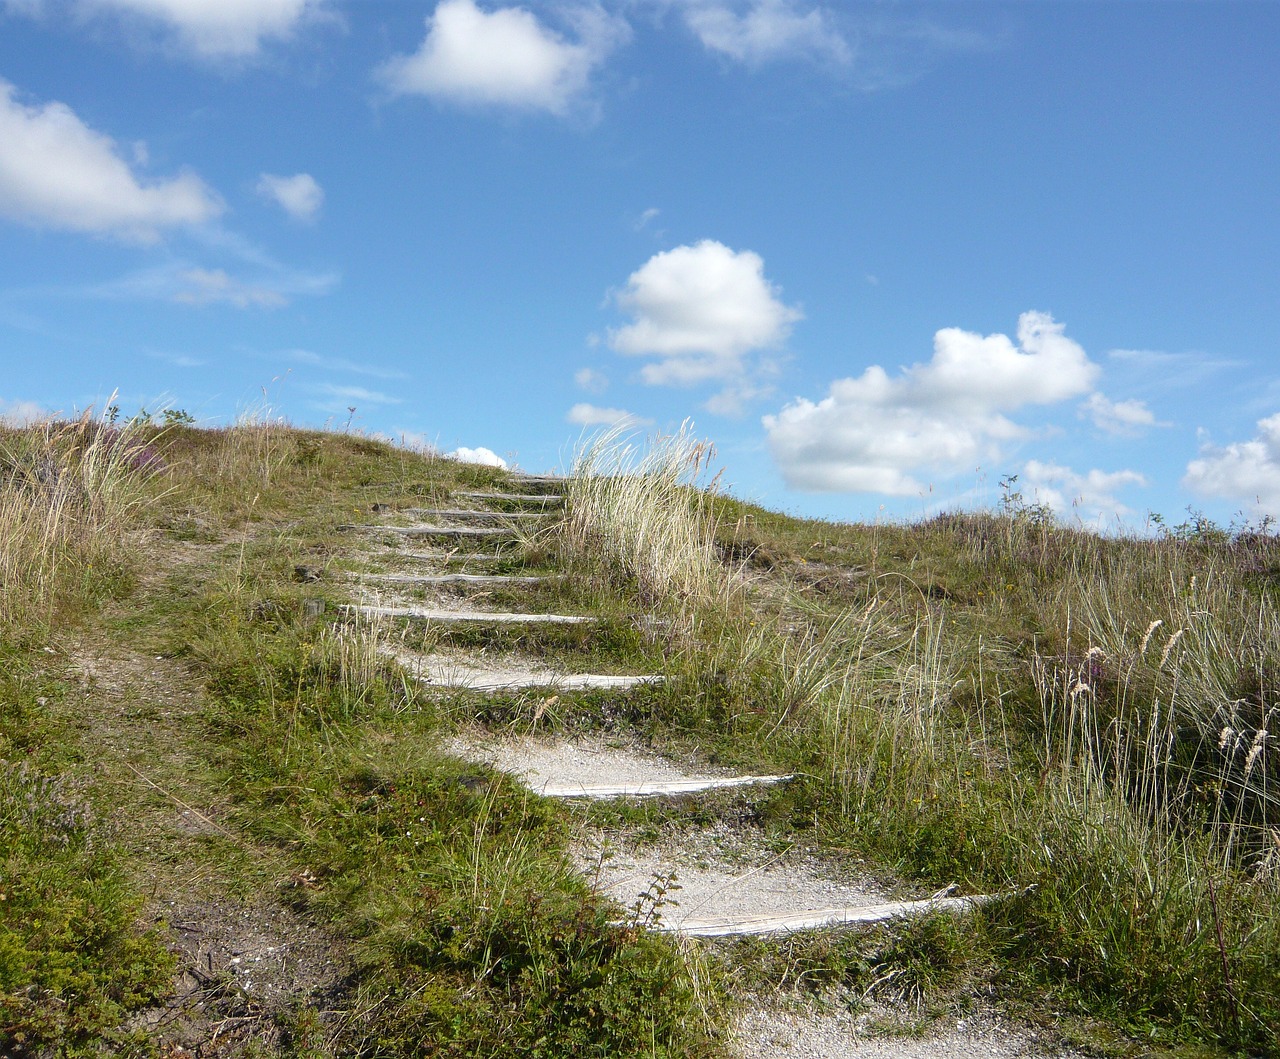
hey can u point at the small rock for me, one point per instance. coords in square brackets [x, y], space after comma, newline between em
[306, 573]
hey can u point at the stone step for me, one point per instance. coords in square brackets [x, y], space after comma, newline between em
[457, 616]
[653, 788]
[515, 498]
[459, 579]
[820, 918]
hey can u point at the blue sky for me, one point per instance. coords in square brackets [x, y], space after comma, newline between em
[883, 255]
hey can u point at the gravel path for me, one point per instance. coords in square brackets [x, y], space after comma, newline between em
[809, 1033]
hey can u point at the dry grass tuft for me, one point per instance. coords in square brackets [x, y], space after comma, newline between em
[67, 493]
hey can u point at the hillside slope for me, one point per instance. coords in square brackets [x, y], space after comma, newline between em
[280, 714]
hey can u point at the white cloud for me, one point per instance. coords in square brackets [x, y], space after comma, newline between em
[1122, 418]
[189, 284]
[56, 172]
[1244, 471]
[216, 29]
[733, 399]
[766, 29]
[484, 457]
[505, 58]
[299, 196]
[205, 286]
[305, 356]
[178, 360]
[1171, 371]
[874, 433]
[417, 441]
[589, 415]
[338, 399]
[700, 310]
[22, 413]
[591, 380]
[1091, 495]
[651, 214]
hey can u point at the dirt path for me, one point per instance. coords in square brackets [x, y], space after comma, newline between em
[244, 955]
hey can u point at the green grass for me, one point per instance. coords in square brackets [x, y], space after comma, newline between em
[989, 700]
[998, 702]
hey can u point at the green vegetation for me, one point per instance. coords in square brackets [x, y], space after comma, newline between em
[1006, 704]
[993, 701]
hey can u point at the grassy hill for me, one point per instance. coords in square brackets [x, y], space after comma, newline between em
[200, 754]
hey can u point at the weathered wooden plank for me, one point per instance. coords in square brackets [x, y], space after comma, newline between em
[732, 926]
[452, 556]
[515, 498]
[478, 616]
[502, 680]
[652, 788]
[458, 579]
[468, 515]
[432, 531]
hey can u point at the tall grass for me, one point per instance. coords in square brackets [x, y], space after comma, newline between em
[637, 510]
[1117, 765]
[67, 494]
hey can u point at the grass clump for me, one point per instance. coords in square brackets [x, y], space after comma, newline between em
[1000, 702]
[638, 513]
[68, 491]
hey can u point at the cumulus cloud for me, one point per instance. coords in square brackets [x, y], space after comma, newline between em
[214, 286]
[1091, 495]
[484, 457]
[591, 380]
[299, 196]
[589, 415]
[216, 29]
[1121, 418]
[56, 172]
[1244, 471]
[875, 433]
[505, 58]
[700, 310]
[766, 29]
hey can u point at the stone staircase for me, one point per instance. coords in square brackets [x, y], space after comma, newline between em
[740, 903]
